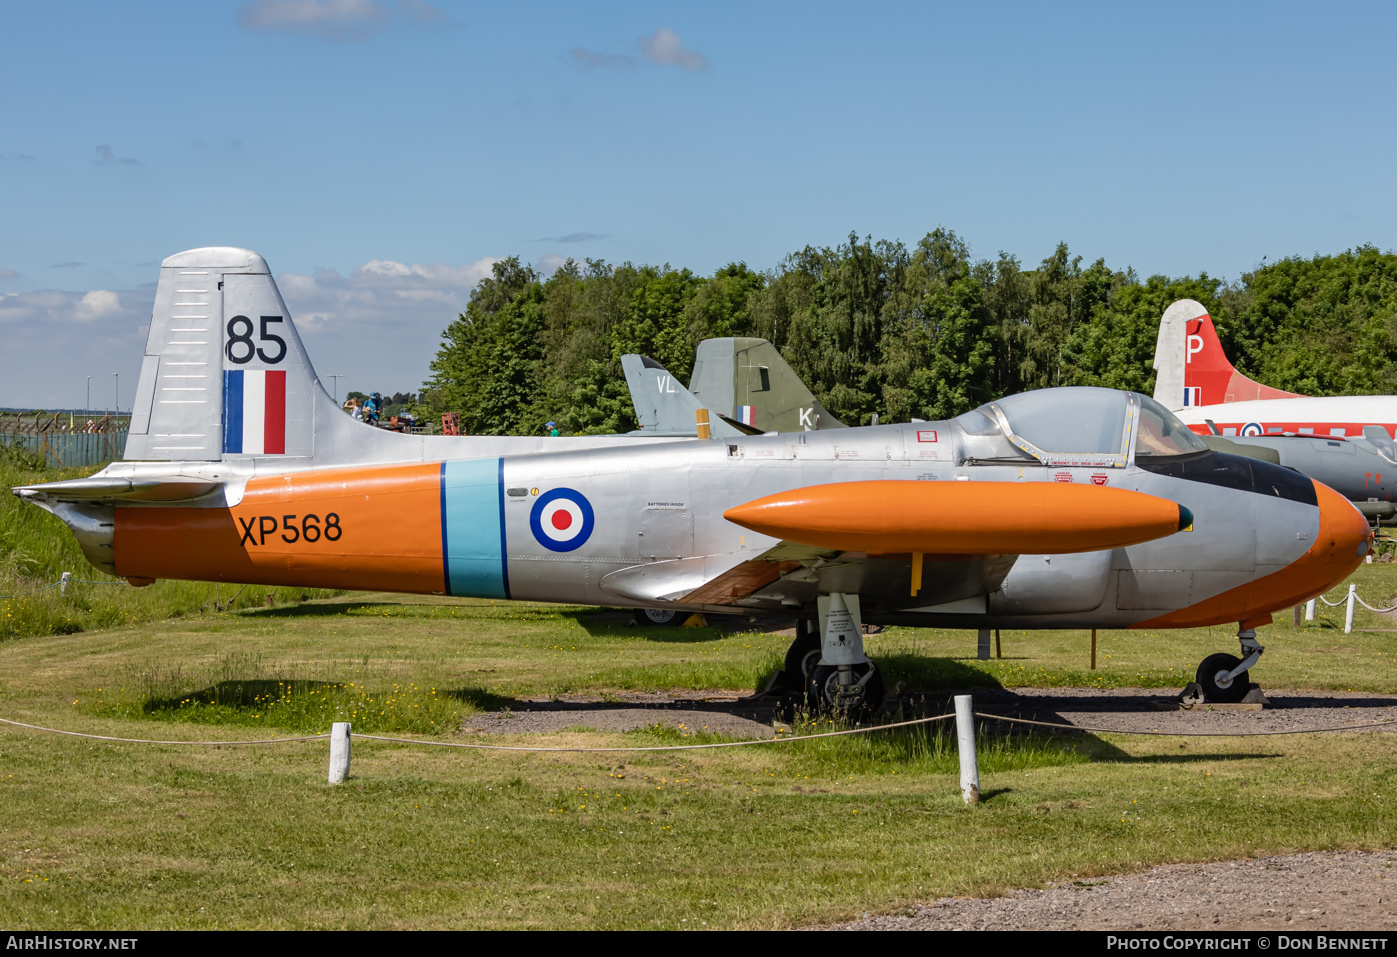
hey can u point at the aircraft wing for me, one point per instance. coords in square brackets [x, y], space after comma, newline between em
[789, 574]
[909, 545]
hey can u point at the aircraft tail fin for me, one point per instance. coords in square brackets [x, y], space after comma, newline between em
[747, 380]
[224, 372]
[1192, 367]
[226, 377]
[662, 405]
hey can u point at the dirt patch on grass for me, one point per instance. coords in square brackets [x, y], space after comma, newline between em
[1352, 890]
[694, 714]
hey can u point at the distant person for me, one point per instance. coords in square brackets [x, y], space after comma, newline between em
[552, 428]
[351, 408]
[373, 408]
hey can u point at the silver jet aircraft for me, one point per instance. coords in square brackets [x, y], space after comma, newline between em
[1063, 508]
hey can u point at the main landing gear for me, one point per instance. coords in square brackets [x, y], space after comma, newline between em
[831, 667]
[1223, 678]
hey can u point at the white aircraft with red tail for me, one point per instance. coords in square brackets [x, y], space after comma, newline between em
[1198, 384]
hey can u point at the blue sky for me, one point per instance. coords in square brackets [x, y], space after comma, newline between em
[381, 154]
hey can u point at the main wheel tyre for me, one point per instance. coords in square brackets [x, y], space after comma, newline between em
[1217, 687]
[822, 692]
[662, 616]
[802, 657]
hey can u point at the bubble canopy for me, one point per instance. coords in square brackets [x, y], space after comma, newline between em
[1081, 420]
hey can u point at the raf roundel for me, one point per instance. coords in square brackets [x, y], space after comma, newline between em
[561, 519]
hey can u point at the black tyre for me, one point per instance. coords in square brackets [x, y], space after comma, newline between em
[662, 616]
[1217, 688]
[822, 692]
[802, 657]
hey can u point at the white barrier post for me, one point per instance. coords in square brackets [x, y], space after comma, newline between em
[965, 744]
[1348, 608]
[1310, 610]
[63, 583]
[339, 752]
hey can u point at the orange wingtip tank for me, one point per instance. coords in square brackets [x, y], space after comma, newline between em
[962, 518]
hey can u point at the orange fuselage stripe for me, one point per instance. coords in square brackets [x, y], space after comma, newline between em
[363, 528]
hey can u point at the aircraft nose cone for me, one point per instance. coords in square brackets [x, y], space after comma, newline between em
[1344, 536]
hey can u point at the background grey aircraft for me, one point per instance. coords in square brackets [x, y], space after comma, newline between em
[743, 382]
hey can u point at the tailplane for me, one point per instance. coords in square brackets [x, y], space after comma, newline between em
[1191, 367]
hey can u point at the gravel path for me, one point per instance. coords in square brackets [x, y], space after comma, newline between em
[1351, 890]
[718, 713]
[1154, 709]
[1117, 709]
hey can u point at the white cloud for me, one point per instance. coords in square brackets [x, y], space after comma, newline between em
[97, 304]
[667, 49]
[53, 309]
[337, 19]
[383, 290]
[55, 338]
[550, 263]
[380, 325]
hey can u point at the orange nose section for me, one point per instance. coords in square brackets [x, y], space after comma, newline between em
[1343, 540]
[1340, 544]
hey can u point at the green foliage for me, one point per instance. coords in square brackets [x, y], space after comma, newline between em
[1320, 326]
[873, 327]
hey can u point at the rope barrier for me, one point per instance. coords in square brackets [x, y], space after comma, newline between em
[1380, 611]
[206, 744]
[31, 591]
[494, 747]
[668, 747]
[1185, 734]
[717, 744]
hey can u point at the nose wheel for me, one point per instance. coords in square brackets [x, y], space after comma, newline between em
[1224, 678]
[1219, 682]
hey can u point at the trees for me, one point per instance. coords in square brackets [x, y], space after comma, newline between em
[876, 328]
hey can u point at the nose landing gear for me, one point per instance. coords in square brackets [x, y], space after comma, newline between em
[1223, 677]
[842, 679]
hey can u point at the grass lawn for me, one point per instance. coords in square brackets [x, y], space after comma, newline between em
[103, 835]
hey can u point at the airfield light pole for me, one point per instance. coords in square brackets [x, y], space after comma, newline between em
[88, 406]
[116, 393]
[337, 376]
